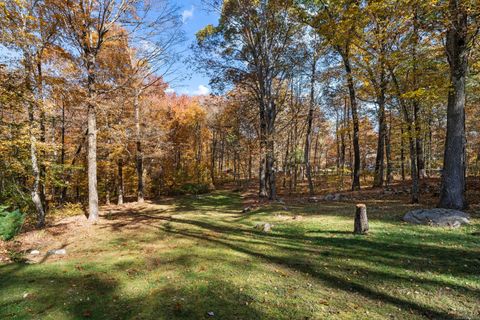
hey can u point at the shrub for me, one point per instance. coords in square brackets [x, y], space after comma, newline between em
[67, 210]
[189, 188]
[195, 188]
[10, 223]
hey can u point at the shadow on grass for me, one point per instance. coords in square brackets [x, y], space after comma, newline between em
[408, 251]
[329, 279]
[36, 292]
[405, 255]
[223, 202]
[394, 258]
[389, 211]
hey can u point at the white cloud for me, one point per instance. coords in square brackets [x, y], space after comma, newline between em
[169, 90]
[187, 14]
[202, 90]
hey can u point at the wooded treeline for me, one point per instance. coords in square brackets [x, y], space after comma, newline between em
[310, 93]
[399, 68]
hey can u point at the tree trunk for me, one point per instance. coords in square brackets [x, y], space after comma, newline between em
[308, 135]
[42, 168]
[453, 177]
[413, 161]
[54, 158]
[63, 196]
[388, 152]
[342, 139]
[416, 103]
[120, 182]
[379, 161]
[337, 139]
[139, 152]
[222, 156]
[35, 192]
[270, 114]
[92, 144]
[286, 160]
[428, 165]
[270, 169]
[250, 160]
[402, 153]
[382, 131]
[356, 125]
[36, 197]
[107, 186]
[361, 220]
[411, 141]
[315, 154]
[213, 155]
[419, 141]
[262, 175]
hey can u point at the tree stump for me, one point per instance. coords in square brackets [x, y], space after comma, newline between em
[361, 220]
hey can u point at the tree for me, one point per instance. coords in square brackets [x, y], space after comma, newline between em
[253, 45]
[462, 28]
[31, 30]
[339, 22]
[311, 109]
[155, 50]
[88, 25]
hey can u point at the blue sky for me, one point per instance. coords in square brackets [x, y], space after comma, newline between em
[195, 17]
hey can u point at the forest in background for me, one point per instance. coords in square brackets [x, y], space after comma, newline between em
[310, 95]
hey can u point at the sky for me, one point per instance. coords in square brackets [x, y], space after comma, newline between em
[194, 17]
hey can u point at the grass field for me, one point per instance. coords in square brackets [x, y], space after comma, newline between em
[201, 258]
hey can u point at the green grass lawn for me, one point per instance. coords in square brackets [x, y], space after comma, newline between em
[185, 258]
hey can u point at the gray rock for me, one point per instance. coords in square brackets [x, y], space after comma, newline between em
[265, 227]
[246, 210]
[329, 197]
[438, 217]
[34, 252]
[333, 197]
[58, 252]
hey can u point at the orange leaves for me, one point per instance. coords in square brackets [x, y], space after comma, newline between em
[176, 136]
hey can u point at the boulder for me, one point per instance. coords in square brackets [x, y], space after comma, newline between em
[57, 252]
[437, 217]
[265, 227]
[328, 197]
[333, 197]
[246, 210]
